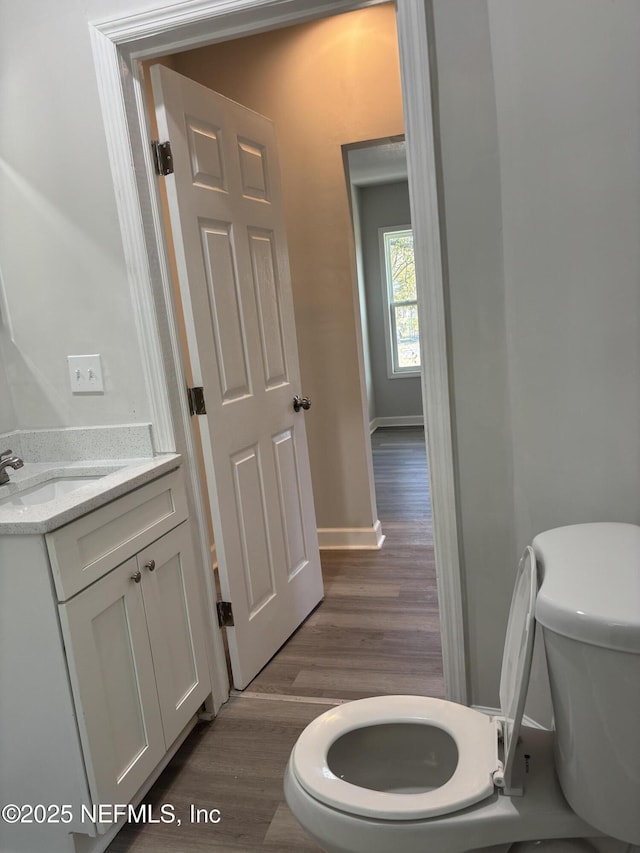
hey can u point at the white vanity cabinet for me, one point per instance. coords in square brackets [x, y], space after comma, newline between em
[103, 662]
[136, 655]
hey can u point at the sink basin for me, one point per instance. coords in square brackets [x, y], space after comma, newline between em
[48, 491]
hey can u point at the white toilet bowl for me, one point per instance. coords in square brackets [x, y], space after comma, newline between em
[421, 818]
[398, 757]
[411, 773]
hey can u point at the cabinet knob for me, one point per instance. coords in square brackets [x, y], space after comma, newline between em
[137, 577]
[151, 564]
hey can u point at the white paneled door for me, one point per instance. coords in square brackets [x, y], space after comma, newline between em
[228, 234]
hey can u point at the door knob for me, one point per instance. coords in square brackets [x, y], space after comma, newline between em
[150, 565]
[137, 577]
[301, 403]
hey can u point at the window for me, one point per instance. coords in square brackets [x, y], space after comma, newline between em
[399, 291]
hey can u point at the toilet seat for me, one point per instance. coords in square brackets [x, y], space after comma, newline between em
[475, 735]
[478, 770]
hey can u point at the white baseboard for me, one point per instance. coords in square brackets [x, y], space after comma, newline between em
[398, 421]
[338, 538]
[496, 712]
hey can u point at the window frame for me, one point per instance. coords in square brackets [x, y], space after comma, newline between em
[394, 371]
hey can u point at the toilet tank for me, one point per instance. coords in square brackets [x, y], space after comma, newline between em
[588, 607]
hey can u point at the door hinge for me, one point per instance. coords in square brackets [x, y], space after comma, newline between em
[225, 614]
[163, 157]
[197, 405]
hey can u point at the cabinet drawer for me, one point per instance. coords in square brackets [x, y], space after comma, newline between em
[88, 548]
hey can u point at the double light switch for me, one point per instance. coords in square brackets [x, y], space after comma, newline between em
[85, 374]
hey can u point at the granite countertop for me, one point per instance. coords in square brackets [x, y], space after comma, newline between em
[116, 478]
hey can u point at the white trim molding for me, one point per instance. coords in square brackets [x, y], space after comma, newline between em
[195, 23]
[349, 538]
[396, 421]
[118, 44]
[119, 148]
[415, 75]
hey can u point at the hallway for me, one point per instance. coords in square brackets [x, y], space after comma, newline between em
[377, 631]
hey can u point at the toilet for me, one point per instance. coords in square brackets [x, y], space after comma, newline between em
[412, 773]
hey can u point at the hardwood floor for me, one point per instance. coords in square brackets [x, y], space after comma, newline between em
[402, 485]
[376, 632]
[236, 765]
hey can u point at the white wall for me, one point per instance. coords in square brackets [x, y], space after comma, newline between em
[539, 125]
[60, 246]
[569, 130]
[568, 109]
[472, 219]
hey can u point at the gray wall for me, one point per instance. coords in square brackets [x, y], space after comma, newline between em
[384, 205]
[538, 108]
[476, 306]
[569, 131]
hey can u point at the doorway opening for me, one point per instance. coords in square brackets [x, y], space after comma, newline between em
[378, 629]
[119, 45]
[378, 183]
[353, 55]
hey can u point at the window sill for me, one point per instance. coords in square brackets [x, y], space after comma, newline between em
[409, 374]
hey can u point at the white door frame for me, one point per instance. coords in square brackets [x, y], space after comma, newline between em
[118, 44]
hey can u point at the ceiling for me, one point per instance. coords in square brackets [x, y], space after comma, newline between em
[378, 164]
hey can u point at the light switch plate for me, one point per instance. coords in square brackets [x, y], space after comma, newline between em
[85, 374]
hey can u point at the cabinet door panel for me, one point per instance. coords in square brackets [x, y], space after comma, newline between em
[175, 621]
[113, 682]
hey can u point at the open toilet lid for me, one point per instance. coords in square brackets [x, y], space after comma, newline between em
[518, 651]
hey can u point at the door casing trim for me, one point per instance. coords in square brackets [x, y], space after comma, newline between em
[118, 45]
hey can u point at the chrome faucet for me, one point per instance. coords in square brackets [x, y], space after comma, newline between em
[8, 460]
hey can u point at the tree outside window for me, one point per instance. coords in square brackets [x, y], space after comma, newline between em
[403, 333]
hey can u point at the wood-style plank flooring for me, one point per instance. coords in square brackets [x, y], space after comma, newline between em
[376, 632]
